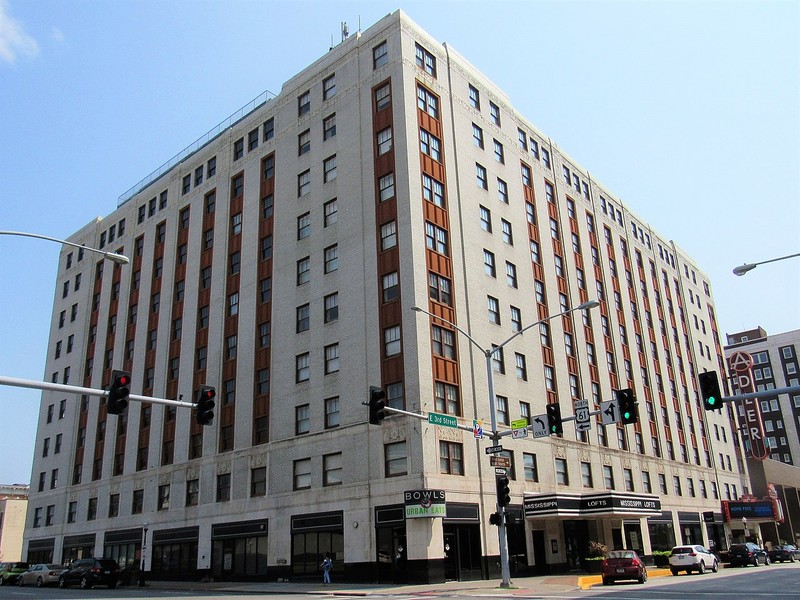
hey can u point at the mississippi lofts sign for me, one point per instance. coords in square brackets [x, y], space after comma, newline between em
[584, 505]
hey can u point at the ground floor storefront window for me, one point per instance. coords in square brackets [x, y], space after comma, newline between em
[314, 536]
[175, 551]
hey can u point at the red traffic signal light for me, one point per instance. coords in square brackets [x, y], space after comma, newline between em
[204, 405]
[118, 392]
[377, 405]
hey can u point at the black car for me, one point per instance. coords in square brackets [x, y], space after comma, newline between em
[89, 572]
[747, 554]
[785, 552]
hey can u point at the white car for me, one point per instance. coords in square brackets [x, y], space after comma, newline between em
[692, 558]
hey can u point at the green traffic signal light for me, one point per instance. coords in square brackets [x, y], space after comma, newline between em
[709, 389]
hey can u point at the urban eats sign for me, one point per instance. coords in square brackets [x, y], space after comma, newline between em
[425, 504]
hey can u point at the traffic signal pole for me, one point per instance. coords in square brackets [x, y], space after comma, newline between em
[74, 389]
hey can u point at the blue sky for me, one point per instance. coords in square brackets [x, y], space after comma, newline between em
[688, 111]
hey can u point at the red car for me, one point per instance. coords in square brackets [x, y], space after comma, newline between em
[623, 564]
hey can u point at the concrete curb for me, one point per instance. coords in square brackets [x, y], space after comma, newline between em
[586, 582]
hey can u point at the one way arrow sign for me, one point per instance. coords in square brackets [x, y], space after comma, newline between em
[609, 412]
[539, 426]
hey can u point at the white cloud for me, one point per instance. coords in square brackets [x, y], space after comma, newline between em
[13, 39]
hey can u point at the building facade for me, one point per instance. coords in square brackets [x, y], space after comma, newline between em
[13, 506]
[279, 262]
[775, 472]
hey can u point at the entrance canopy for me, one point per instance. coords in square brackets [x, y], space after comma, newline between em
[600, 504]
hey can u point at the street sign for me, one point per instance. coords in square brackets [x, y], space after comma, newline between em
[519, 433]
[583, 421]
[500, 461]
[519, 428]
[493, 449]
[539, 426]
[609, 412]
[443, 420]
[477, 429]
[499, 471]
[519, 423]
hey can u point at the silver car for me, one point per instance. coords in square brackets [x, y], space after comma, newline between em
[692, 558]
[41, 574]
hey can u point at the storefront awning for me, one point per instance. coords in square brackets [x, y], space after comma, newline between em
[591, 505]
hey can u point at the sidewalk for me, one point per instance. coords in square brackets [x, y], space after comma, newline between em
[521, 587]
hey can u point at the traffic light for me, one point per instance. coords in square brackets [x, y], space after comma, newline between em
[377, 405]
[554, 424]
[628, 408]
[118, 392]
[204, 405]
[503, 491]
[494, 519]
[709, 389]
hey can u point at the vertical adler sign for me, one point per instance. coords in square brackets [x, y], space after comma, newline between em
[425, 504]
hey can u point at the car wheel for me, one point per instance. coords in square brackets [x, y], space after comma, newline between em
[19, 581]
[791, 558]
[643, 577]
[606, 581]
[755, 561]
[766, 560]
[62, 583]
[674, 571]
[701, 568]
[715, 567]
[85, 585]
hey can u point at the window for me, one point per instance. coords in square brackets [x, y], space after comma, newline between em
[480, 176]
[331, 359]
[304, 142]
[386, 187]
[486, 219]
[436, 238]
[258, 482]
[586, 475]
[237, 186]
[238, 149]
[303, 103]
[494, 113]
[430, 145]
[163, 497]
[608, 477]
[439, 289]
[329, 87]
[511, 274]
[501, 410]
[252, 140]
[383, 97]
[494, 310]
[186, 185]
[521, 366]
[388, 235]
[427, 102]
[332, 469]
[508, 237]
[329, 169]
[302, 368]
[516, 319]
[562, 474]
[302, 419]
[331, 307]
[499, 152]
[380, 55]
[302, 474]
[474, 98]
[268, 167]
[451, 460]
[391, 340]
[502, 191]
[425, 60]
[529, 465]
[303, 183]
[233, 304]
[223, 487]
[432, 190]
[332, 414]
[302, 318]
[489, 263]
[395, 459]
[443, 342]
[477, 136]
[329, 127]
[331, 258]
[390, 286]
[331, 210]
[303, 226]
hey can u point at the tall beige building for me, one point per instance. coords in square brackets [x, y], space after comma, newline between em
[279, 261]
[13, 506]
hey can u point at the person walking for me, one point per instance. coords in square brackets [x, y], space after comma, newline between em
[327, 566]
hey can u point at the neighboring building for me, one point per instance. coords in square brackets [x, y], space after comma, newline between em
[775, 365]
[13, 505]
[279, 261]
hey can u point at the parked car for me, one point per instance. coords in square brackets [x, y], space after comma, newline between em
[89, 572]
[692, 558]
[10, 571]
[783, 553]
[41, 574]
[747, 554]
[623, 564]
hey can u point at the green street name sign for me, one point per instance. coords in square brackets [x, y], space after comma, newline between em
[443, 420]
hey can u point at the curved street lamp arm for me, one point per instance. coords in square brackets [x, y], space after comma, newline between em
[454, 326]
[112, 256]
[742, 269]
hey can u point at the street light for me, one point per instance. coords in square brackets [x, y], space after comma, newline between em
[489, 354]
[112, 256]
[742, 269]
